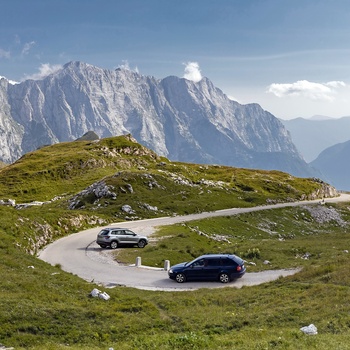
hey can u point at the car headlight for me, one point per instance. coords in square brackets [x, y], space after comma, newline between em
[170, 271]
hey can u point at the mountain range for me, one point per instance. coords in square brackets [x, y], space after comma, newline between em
[334, 164]
[325, 144]
[177, 118]
[312, 136]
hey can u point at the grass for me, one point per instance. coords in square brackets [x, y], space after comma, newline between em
[59, 174]
[43, 307]
[66, 168]
[286, 238]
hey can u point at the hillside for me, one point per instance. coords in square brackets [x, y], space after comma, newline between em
[73, 169]
[119, 179]
[80, 184]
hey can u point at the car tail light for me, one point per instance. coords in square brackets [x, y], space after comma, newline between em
[239, 268]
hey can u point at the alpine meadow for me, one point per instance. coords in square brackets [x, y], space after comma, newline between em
[51, 193]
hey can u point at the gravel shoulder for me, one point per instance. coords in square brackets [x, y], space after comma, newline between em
[80, 255]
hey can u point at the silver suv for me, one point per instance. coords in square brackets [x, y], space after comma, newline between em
[115, 237]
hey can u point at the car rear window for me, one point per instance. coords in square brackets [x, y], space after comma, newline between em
[104, 233]
[238, 260]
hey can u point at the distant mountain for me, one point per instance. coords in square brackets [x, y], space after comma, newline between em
[319, 117]
[177, 118]
[312, 136]
[334, 162]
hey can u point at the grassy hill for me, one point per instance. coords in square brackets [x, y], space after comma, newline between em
[66, 168]
[70, 181]
[87, 183]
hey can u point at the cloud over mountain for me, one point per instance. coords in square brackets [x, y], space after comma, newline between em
[44, 70]
[192, 72]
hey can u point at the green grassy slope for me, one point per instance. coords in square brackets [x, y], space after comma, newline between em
[67, 168]
[64, 176]
[42, 307]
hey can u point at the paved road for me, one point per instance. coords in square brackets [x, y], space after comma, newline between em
[80, 255]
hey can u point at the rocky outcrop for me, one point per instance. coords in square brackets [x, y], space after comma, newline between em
[325, 214]
[324, 191]
[89, 136]
[98, 190]
[11, 132]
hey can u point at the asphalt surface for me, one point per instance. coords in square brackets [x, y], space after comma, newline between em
[80, 255]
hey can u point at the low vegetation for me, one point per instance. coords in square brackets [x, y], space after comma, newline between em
[43, 307]
[269, 239]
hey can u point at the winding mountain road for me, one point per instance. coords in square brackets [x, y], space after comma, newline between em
[80, 255]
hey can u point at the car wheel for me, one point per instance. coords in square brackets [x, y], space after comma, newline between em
[180, 278]
[141, 243]
[224, 278]
[114, 245]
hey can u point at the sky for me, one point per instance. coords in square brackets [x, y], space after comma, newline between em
[290, 56]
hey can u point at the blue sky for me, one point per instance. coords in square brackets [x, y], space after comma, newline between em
[291, 57]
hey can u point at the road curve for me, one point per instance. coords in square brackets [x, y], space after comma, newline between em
[79, 254]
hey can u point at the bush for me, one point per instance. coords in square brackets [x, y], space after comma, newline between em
[253, 253]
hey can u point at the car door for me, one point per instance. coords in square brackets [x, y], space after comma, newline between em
[115, 235]
[212, 268]
[129, 237]
[195, 271]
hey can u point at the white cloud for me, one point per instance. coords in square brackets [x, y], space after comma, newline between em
[336, 84]
[44, 70]
[17, 39]
[27, 47]
[125, 65]
[232, 98]
[12, 82]
[4, 54]
[192, 72]
[304, 88]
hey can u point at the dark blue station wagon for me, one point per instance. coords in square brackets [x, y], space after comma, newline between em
[219, 267]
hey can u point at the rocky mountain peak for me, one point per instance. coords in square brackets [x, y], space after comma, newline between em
[175, 117]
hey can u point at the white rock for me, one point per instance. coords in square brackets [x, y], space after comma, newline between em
[310, 330]
[104, 296]
[95, 292]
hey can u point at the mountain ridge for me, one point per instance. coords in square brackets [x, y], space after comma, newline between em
[324, 133]
[334, 164]
[177, 118]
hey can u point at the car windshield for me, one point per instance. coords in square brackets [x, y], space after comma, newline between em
[190, 262]
[104, 233]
